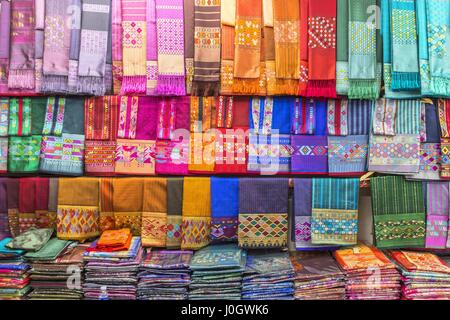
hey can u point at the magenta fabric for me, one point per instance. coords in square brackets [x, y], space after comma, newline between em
[147, 118]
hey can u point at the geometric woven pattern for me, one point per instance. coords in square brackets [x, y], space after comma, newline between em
[263, 230]
[153, 232]
[334, 226]
[77, 222]
[195, 232]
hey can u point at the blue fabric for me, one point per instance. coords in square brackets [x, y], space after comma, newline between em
[224, 197]
[432, 124]
[281, 118]
[321, 118]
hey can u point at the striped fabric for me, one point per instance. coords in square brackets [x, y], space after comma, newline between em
[437, 204]
[334, 211]
[399, 212]
[359, 115]
[408, 119]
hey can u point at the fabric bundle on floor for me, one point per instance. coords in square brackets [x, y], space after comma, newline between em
[56, 271]
[398, 212]
[164, 275]
[112, 275]
[263, 207]
[14, 278]
[217, 273]
[268, 275]
[317, 277]
[370, 275]
[424, 275]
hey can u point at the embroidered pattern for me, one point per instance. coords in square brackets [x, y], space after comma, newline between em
[334, 226]
[224, 229]
[195, 232]
[248, 32]
[135, 156]
[153, 232]
[77, 223]
[262, 230]
[322, 32]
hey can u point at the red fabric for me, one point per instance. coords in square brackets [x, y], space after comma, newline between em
[303, 31]
[322, 49]
[241, 112]
[226, 158]
[42, 188]
[27, 193]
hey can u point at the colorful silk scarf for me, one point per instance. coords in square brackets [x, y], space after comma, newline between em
[247, 55]
[127, 204]
[19, 117]
[444, 117]
[304, 43]
[430, 162]
[398, 211]
[342, 34]
[364, 71]
[302, 216]
[271, 115]
[437, 208]
[359, 117]
[135, 157]
[384, 117]
[3, 155]
[231, 151]
[152, 48]
[405, 61]
[21, 63]
[196, 227]
[75, 42]
[134, 44]
[170, 31]
[347, 155]
[23, 154]
[39, 43]
[227, 47]
[303, 117]
[95, 21]
[337, 117]
[269, 154]
[207, 42]
[56, 46]
[263, 207]
[334, 211]
[116, 34]
[309, 154]
[53, 116]
[202, 152]
[224, 209]
[174, 212]
[101, 118]
[438, 24]
[286, 28]
[106, 220]
[5, 28]
[424, 58]
[172, 157]
[322, 49]
[189, 43]
[154, 213]
[78, 208]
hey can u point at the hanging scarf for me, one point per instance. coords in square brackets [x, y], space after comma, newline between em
[56, 46]
[438, 13]
[359, 117]
[286, 28]
[322, 49]
[78, 211]
[405, 63]
[207, 42]
[202, 114]
[224, 209]
[337, 117]
[224, 112]
[247, 39]
[189, 43]
[347, 155]
[4, 224]
[227, 61]
[39, 41]
[54, 116]
[27, 204]
[147, 118]
[134, 42]
[108, 78]
[424, 58]
[135, 157]
[19, 117]
[398, 212]
[196, 213]
[41, 203]
[101, 118]
[74, 50]
[21, 63]
[106, 220]
[342, 84]
[384, 117]
[263, 207]
[172, 115]
[154, 213]
[303, 116]
[116, 33]
[23, 154]
[152, 48]
[437, 209]
[13, 206]
[5, 28]
[128, 113]
[334, 211]
[231, 151]
[127, 204]
[93, 46]
[174, 212]
[170, 30]
[387, 55]
[444, 121]
[363, 68]
[304, 40]
[3, 155]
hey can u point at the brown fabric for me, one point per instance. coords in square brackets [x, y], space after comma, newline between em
[78, 191]
[128, 194]
[155, 195]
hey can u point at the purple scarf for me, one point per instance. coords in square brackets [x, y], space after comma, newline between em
[5, 20]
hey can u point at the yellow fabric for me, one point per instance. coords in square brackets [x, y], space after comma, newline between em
[228, 12]
[128, 194]
[196, 197]
[78, 191]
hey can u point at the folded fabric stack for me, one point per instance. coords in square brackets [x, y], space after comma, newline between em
[112, 275]
[268, 275]
[424, 275]
[165, 275]
[317, 277]
[217, 273]
[14, 277]
[56, 271]
[370, 275]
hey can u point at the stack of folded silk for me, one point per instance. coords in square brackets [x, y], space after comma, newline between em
[424, 275]
[217, 273]
[14, 277]
[57, 271]
[268, 275]
[370, 275]
[112, 275]
[317, 277]
[165, 275]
